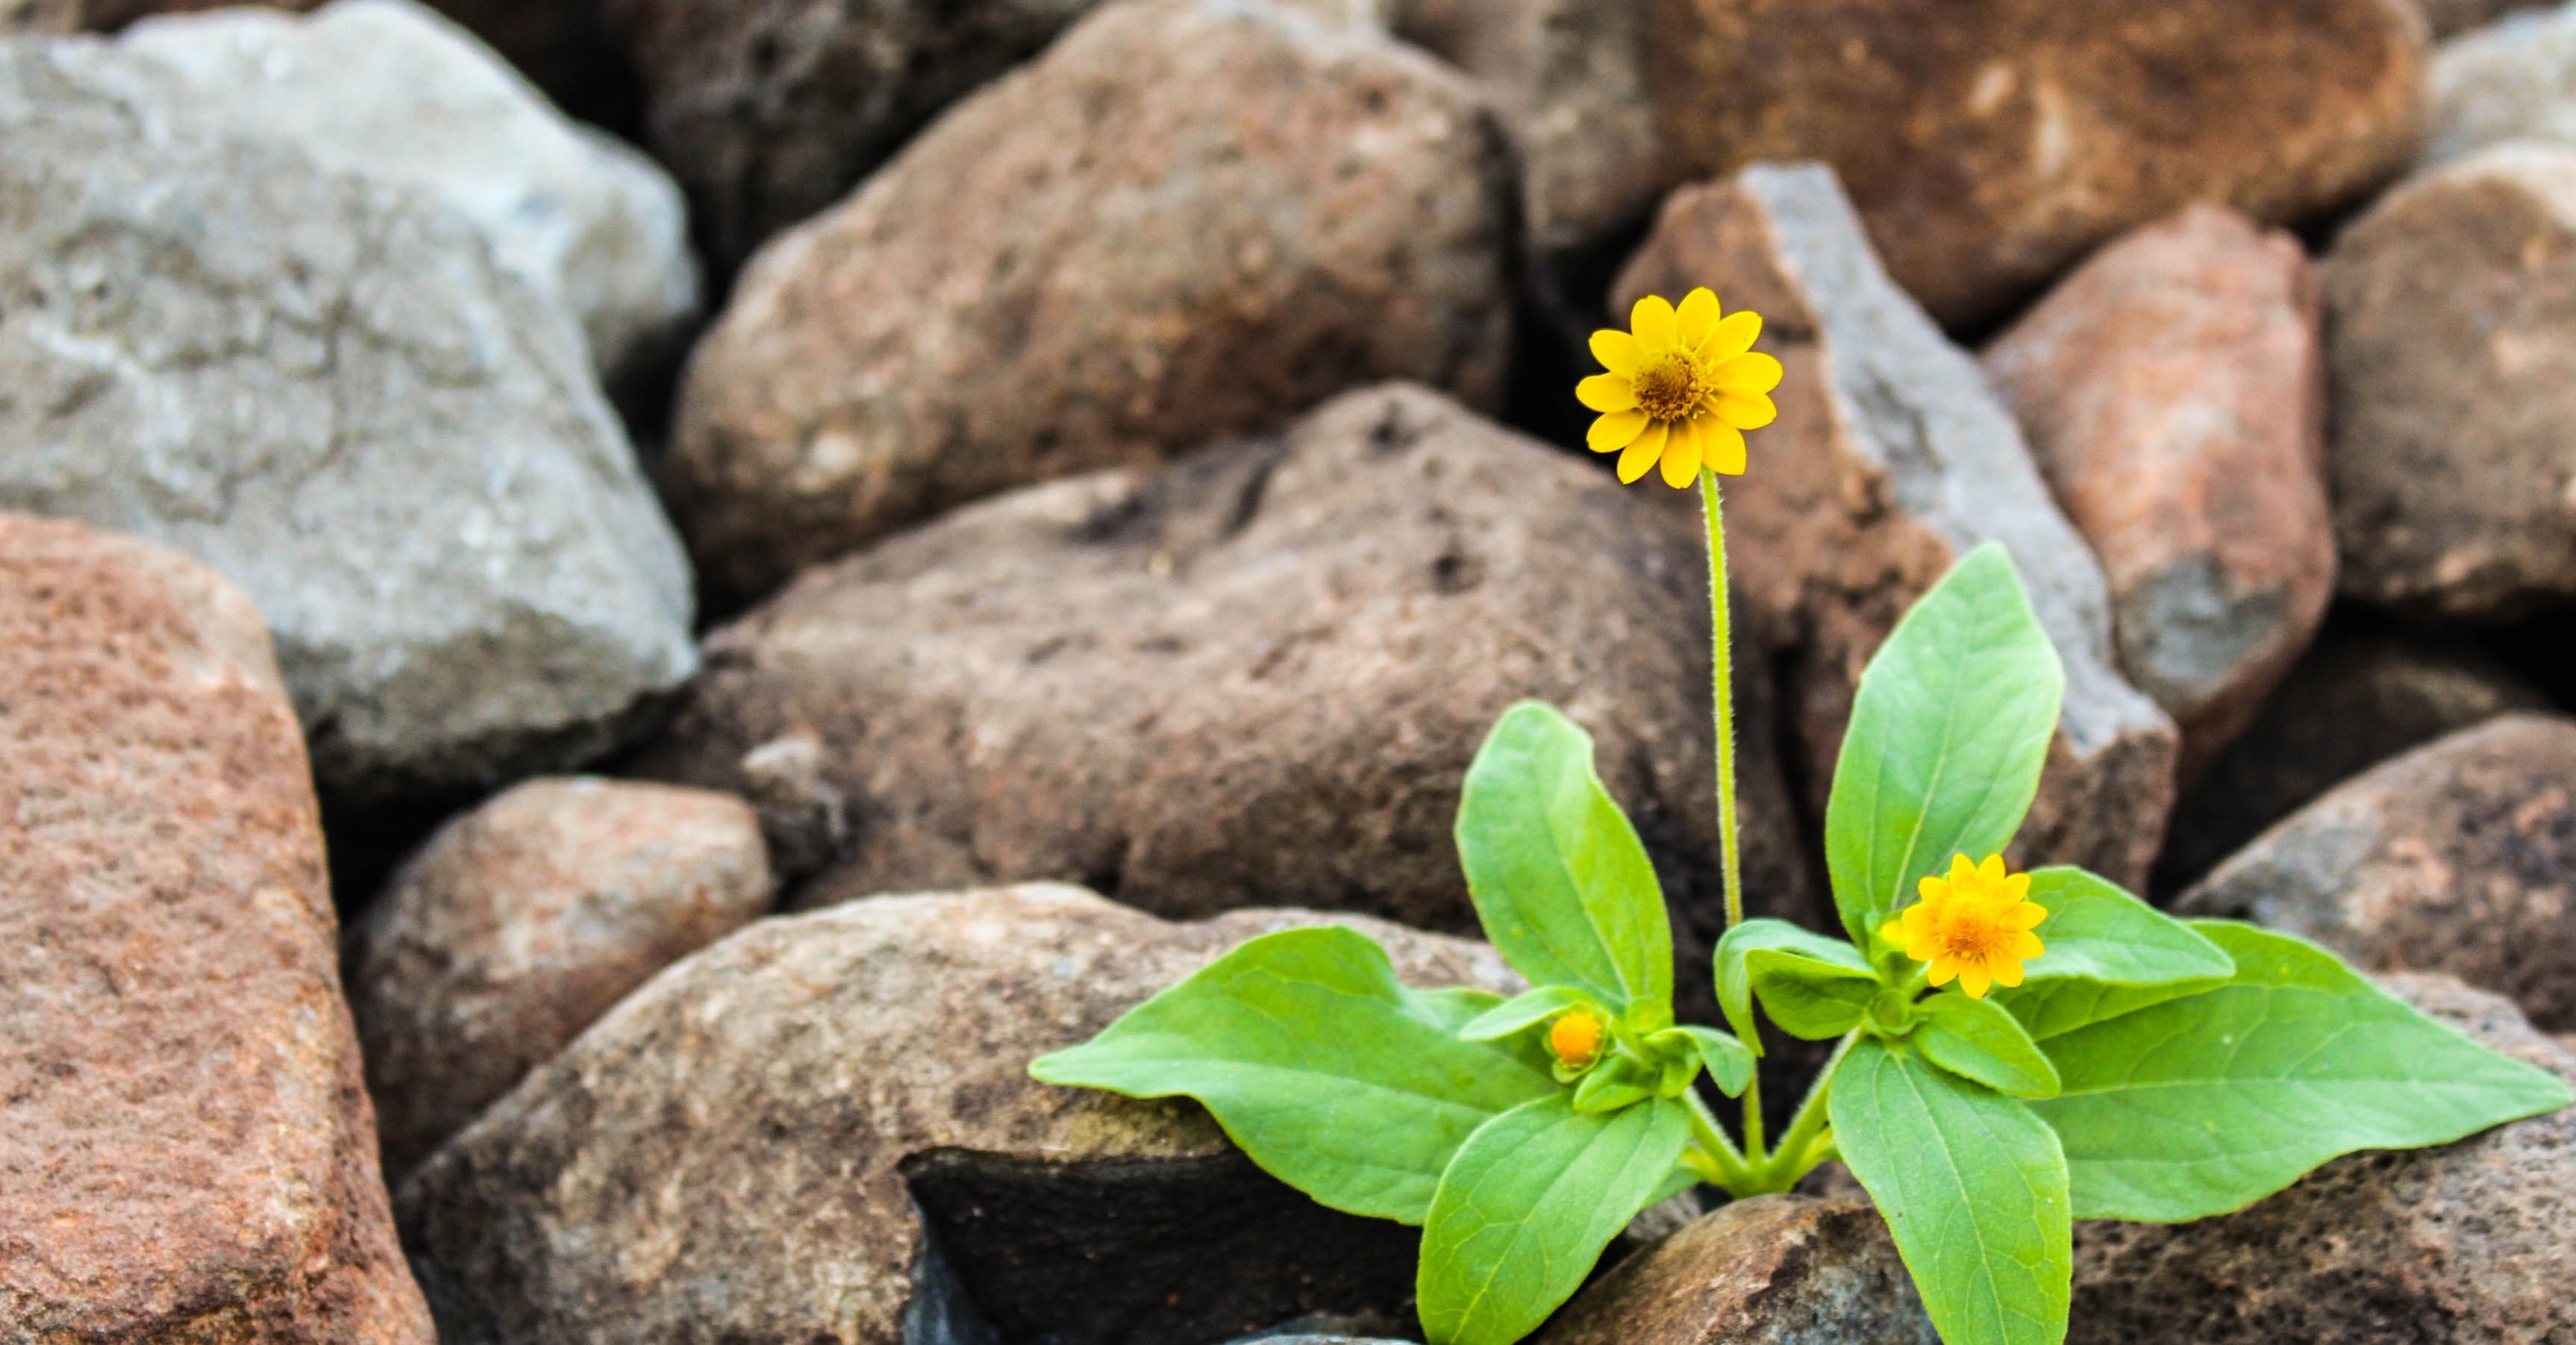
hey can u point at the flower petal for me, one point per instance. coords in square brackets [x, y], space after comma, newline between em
[1753, 372]
[1733, 335]
[1616, 431]
[1607, 392]
[1745, 410]
[1722, 448]
[1681, 455]
[1976, 980]
[1643, 452]
[2027, 944]
[1653, 321]
[1696, 316]
[1991, 868]
[2008, 972]
[1931, 887]
[1617, 351]
[1944, 970]
[2025, 916]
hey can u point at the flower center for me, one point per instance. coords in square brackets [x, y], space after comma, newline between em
[1668, 386]
[1575, 1039]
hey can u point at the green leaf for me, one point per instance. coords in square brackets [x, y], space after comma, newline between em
[1948, 732]
[1729, 1061]
[1528, 1009]
[1832, 959]
[1974, 1189]
[1620, 1081]
[2108, 954]
[1527, 1206]
[1807, 998]
[2198, 1106]
[1330, 1073]
[1977, 1039]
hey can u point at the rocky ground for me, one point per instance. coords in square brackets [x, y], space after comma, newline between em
[612, 611]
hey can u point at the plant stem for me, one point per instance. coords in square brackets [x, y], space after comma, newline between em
[1719, 1162]
[1721, 659]
[1791, 1161]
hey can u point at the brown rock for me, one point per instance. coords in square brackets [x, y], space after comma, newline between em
[522, 922]
[72, 16]
[1891, 459]
[2458, 857]
[186, 1151]
[1773, 1270]
[2465, 1244]
[1256, 677]
[2451, 350]
[2173, 391]
[1231, 213]
[1990, 143]
[768, 1141]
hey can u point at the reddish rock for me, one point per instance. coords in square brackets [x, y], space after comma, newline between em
[1773, 1270]
[186, 1151]
[522, 922]
[2173, 391]
[1891, 459]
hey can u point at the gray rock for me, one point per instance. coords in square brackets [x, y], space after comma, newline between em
[2514, 81]
[1892, 457]
[323, 385]
[767, 1140]
[2450, 18]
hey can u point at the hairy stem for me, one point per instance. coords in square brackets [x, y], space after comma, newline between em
[1721, 658]
[1712, 1155]
[1793, 1160]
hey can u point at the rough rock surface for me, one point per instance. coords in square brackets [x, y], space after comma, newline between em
[1236, 212]
[186, 1151]
[2452, 17]
[1892, 458]
[2514, 81]
[522, 922]
[1990, 143]
[389, 89]
[764, 1141]
[1773, 1270]
[323, 386]
[72, 16]
[2451, 350]
[2465, 1244]
[2458, 857]
[2173, 390]
[1256, 677]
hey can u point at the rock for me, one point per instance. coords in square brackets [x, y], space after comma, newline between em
[72, 16]
[388, 88]
[2451, 17]
[323, 386]
[1991, 143]
[2465, 1244]
[522, 922]
[2458, 857]
[563, 47]
[768, 1139]
[2356, 700]
[1773, 1270]
[2451, 350]
[186, 1151]
[1891, 459]
[2173, 391]
[1239, 212]
[2514, 81]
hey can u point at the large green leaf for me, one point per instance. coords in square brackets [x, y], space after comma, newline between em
[1558, 876]
[1948, 732]
[1974, 1189]
[2108, 954]
[2202, 1105]
[1977, 1039]
[1827, 959]
[1807, 998]
[1330, 1073]
[1527, 1206]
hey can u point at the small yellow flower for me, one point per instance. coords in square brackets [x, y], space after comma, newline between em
[1684, 384]
[1575, 1038]
[1974, 925]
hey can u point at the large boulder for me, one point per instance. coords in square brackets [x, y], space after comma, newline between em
[2458, 857]
[2514, 81]
[2173, 389]
[823, 1128]
[72, 16]
[1232, 212]
[1255, 677]
[2451, 349]
[323, 386]
[186, 1151]
[1991, 143]
[1891, 459]
[522, 922]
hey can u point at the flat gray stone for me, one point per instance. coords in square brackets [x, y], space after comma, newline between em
[2513, 81]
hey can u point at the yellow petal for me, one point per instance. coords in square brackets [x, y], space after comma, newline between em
[2017, 886]
[1607, 392]
[2025, 916]
[1733, 335]
[1944, 969]
[1722, 448]
[1991, 868]
[1653, 321]
[1616, 350]
[1696, 316]
[1615, 430]
[1893, 931]
[2027, 944]
[1643, 451]
[1922, 949]
[1962, 870]
[2008, 972]
[1918, 917]
[1746, 411]
[1681, 455]
[1974, 979]
[1932, 888]
[1755, 372]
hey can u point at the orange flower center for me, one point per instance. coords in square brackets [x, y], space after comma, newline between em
[1668, 386]
[1575, 1038]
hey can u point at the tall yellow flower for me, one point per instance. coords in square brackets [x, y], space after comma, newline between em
[1684, 384]
[1974, 925]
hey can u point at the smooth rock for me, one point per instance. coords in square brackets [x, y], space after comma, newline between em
[1990, 144]
[2356, 700]
[1891, 459]
[1773, 1270]
[1255, 677]
[2458, 857]
[767, 1141]
[389, 89]
[1235, 211]
[2452, 17]
[323, 386]
[2173, 392]
[2514, 81]
[522, 922]
[2451, 353]
[186, 1152]
[72, 16]
[2465, 1244]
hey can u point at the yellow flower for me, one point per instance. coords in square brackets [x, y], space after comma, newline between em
[1974, 925]
[1684, 384]
[1575, 1038]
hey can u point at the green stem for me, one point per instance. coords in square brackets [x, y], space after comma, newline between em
[1712, 1155]
[1721, 660]
[1792, 1160]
